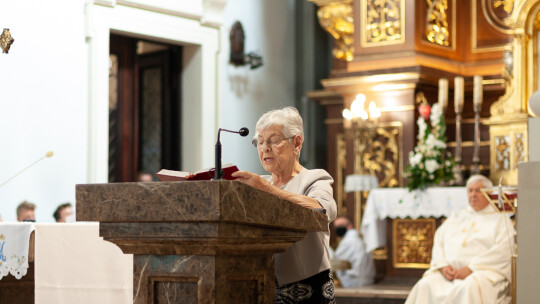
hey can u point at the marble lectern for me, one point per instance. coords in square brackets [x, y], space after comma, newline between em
[197, 241]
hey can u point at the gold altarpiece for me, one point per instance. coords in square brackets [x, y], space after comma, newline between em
[394, 49]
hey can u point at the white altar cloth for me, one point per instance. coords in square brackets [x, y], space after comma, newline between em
[14, 245]
[73, 264]
[385, 203]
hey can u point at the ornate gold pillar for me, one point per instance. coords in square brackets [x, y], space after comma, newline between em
[509, 115]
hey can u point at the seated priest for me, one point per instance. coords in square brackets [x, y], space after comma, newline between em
[352, 248]
[471, 260]
[303, 270]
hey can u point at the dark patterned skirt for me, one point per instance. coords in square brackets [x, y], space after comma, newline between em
[317, 289]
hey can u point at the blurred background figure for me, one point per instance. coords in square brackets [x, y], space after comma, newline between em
[145, 177]
[351, 248]
[25, 212]
[64, 213]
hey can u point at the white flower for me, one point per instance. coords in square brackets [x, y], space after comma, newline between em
[422, 126]
[433, 143]
[431, 165]
[415, 159]
[436, 113]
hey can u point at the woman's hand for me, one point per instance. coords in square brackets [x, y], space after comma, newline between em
[258, 182]
[252, 179]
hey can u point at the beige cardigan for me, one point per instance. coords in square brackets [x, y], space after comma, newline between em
[309, 256]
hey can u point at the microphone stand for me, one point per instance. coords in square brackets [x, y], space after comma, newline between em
[219, 173]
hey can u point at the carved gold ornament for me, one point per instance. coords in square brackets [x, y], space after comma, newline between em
[341, 167]
[507, 5]
[384, 21]
[502, 153]
[413, 242]
[6, 40]
[436, 22]
[378, 153]
[521, 152]
[337, 19]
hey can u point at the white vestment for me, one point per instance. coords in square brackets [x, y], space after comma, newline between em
[484, 242]
[353, 249]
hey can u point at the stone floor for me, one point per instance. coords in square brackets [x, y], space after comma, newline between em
[388, 291]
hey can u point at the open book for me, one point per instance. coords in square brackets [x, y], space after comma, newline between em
[204, 174]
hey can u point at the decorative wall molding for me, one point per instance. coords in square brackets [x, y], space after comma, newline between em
[201, 44]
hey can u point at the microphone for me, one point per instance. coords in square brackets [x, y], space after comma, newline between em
[219, 173]
[48, 154]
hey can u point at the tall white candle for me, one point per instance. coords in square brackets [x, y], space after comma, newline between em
[478, 91]
[458, 93]
[443, 93]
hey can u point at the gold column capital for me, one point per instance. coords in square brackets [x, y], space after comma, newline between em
[336, 17]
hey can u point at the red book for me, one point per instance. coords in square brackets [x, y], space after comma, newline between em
[205, 174]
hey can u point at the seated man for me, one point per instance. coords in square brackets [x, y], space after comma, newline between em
[64, 213]
[352, 249]
[471, 260]
[26, 212]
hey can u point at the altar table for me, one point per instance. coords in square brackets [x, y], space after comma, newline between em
[395, 203]
[71, 264]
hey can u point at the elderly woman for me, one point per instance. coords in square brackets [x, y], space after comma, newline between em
[303, 270]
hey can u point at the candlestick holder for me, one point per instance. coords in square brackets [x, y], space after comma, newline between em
[476, 148]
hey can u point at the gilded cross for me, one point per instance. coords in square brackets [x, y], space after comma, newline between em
[6, 40]
[469, 232]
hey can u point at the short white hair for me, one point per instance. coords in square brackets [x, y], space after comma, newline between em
[479, 178]
[288, 118]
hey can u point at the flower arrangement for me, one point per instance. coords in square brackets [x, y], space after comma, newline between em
[429, 164]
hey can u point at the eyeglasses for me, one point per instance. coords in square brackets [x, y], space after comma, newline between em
[272, 141]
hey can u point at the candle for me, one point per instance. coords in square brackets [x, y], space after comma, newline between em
[443, 93]
[458, 93]
[478, 91]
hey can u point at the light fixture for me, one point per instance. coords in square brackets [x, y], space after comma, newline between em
[237, 55]
[358, 110]
[360, 182]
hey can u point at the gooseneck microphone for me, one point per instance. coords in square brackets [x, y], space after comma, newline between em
[219, 173]
[48, 154]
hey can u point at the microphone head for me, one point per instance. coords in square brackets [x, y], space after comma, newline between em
[243, 132]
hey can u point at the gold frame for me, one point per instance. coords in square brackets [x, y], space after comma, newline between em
[341, 165]
[474, 47]
[363, 39]
[508, 129]
[395, 223]
[358, 165]
[453, 34]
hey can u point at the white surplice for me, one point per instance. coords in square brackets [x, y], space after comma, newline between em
[352, 249]
[482, 240]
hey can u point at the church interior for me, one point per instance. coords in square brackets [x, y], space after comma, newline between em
[121, 89]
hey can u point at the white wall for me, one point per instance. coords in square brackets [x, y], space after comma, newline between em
[54, 86]
[43, 104]
[246, 94]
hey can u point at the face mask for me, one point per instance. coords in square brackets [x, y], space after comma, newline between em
[341, 230]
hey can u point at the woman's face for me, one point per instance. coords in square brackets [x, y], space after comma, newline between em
[278, 156]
